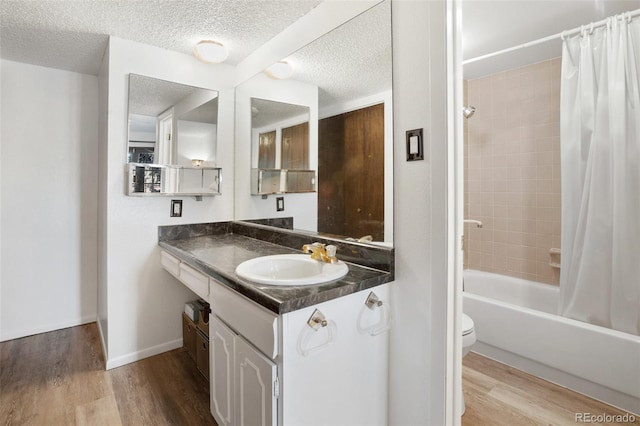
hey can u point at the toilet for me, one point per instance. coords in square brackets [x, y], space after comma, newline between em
[468, 339]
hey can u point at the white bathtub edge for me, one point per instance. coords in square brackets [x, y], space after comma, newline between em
[561, 378]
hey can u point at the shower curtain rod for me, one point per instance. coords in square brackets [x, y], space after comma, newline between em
[546, 39]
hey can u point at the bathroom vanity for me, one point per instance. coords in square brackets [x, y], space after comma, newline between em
[314, 354]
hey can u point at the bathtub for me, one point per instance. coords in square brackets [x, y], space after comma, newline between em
[516, 323]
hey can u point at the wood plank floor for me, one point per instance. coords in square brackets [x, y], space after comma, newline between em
[496, 394]
[58, 378]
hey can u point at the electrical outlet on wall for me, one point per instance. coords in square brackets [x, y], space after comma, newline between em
[279, 204]
[176, 208]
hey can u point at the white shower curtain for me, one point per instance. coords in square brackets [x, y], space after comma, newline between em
[600, 150]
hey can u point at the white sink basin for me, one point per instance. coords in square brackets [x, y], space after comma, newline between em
[290, 270]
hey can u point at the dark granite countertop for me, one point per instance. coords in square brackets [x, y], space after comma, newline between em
[219, 255]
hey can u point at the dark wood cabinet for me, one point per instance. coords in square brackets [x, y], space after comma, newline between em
[295, 147]
[351, 173]
[267, 150]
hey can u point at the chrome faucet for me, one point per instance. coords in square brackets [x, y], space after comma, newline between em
[321, 252]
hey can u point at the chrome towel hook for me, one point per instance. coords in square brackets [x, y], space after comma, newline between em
[374, 304]
[372, 301]
[316, 322]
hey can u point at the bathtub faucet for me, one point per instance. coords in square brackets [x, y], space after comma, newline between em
[474, 222]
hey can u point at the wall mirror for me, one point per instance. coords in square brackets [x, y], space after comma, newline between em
[348, 70]
[280, 148]
[173, 130]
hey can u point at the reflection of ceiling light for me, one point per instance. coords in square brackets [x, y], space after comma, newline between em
[280, 70]
[210, 52]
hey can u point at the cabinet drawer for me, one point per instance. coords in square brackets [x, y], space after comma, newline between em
[196, 281]
[253, 322]
[170, 263]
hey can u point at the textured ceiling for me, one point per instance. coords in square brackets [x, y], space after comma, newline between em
[72, 35]
[350, 62]
[151, 97]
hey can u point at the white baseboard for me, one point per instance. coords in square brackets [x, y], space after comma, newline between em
[553, 375]
[144, 353]
[45, 328]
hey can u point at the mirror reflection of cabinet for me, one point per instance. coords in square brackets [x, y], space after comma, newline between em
[351, 173]
[280, 146]
[295, 147]
[267, 150]
[282, 181]
[156, 179]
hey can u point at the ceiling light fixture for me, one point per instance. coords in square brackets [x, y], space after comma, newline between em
[210, 52]
[280, 70]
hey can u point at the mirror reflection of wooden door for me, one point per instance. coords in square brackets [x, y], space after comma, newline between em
[351, 173]
[267, 150]
[295, 147]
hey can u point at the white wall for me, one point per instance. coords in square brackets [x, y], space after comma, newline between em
[196, 140]
[103, 141]
[48, 199]
[143, 301]
[1, 180]
[419, 295]
[303, 207]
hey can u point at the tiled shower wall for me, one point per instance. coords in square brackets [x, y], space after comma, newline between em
[512, 172]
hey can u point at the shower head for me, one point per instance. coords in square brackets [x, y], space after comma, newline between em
[468, 111]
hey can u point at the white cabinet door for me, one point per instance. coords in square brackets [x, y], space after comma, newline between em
[256, 387]
[222, 381]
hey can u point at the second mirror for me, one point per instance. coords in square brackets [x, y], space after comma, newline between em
[280, 148]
